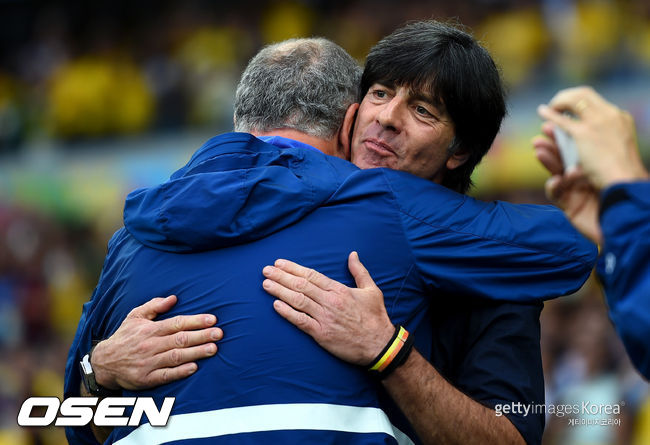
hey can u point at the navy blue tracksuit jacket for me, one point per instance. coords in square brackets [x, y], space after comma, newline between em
[241, 203]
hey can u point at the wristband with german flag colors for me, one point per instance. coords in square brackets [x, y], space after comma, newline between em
[393, 355]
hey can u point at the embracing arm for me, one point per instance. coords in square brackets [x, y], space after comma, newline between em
[353, 325]
[144, 353]
[466, 246]
[440, 413]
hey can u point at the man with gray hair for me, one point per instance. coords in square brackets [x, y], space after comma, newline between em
[242, 201]
[308, 83]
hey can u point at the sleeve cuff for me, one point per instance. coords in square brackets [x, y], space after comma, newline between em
[625, 191]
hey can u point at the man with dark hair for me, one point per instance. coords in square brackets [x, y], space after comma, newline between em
[240, 202]
[444, 66]
[432, 102]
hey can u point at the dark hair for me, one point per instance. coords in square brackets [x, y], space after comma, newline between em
[304, 84]
[448, 64]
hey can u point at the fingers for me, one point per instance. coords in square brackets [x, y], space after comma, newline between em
[292, 281]
[311, 275]
[179, 356]
[547, 130]
[185, 323]
[567, 123]
[359, 272]
[575, 175]
[557, 185]
[186, 339]
[167, 375]
[154, 307]
[548, 154]
[299, 319]
[567, 98]
[297, 300]
[578, 100]
[551, 187]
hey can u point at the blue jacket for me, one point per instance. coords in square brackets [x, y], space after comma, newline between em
[624, 266]
[239, 204]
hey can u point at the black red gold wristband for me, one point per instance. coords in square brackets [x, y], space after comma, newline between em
[393, 355]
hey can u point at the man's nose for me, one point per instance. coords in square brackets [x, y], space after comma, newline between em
[391, 115]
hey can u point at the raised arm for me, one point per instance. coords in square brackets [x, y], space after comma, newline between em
[607, 199]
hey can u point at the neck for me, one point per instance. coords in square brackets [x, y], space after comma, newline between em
[329, 147]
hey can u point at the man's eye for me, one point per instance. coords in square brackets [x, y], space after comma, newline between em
[423, 111]
[380, 94]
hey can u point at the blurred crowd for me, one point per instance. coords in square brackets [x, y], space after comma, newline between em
[47, 270]
[72, 70]
[82, 71]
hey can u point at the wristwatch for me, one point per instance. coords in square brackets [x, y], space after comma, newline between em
[88, 378]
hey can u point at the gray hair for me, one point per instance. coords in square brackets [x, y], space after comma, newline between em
[302, 84]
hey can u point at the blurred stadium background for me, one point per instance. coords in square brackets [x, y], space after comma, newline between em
[98, 98]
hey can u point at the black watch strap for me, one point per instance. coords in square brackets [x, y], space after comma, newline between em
[88, 378]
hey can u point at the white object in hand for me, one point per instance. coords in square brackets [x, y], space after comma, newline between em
[567, 146]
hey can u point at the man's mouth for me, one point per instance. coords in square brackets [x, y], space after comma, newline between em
[379, 147]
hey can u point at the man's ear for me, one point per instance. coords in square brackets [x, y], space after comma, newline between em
[459, 155]
[457, 159]
[345, 133]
